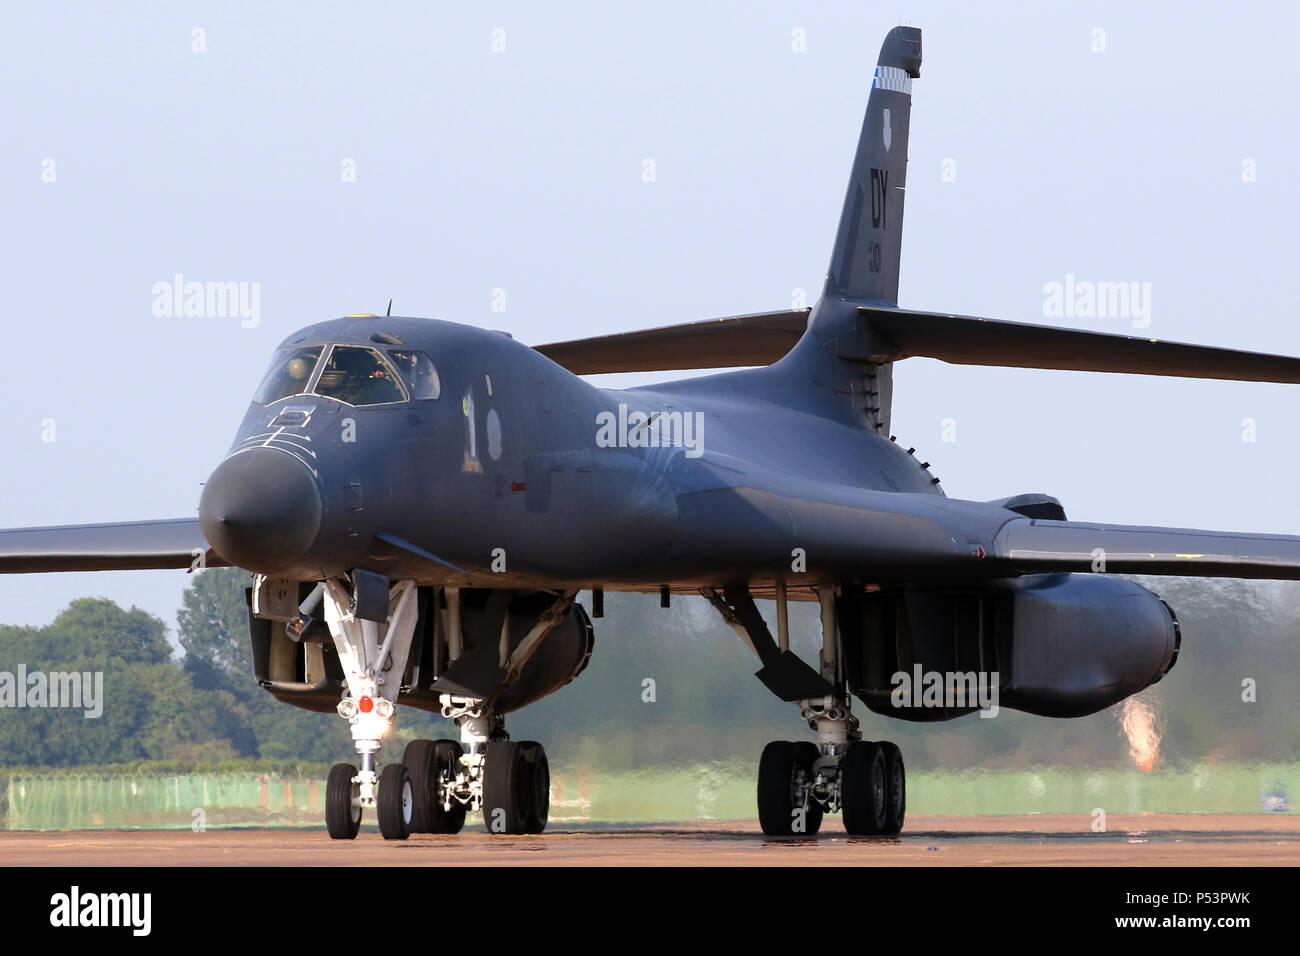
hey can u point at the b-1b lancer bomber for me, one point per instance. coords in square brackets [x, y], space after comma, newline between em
[421, 502]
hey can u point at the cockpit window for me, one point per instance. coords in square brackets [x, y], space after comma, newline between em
[289, 374]
[358, 376]
[418, 371]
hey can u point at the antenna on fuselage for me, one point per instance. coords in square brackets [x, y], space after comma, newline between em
[390, 307]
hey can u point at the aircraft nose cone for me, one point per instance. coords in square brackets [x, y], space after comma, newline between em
[261, 510]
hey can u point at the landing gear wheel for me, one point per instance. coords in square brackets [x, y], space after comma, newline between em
[505, 788]
[785, 807]
[895, 788]
[418, 759]
[342, 812]
[862, 789]
[807, 754]
[537, 786]
[446, 764]
[395, 802]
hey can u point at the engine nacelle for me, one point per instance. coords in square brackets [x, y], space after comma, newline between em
[1059, 645]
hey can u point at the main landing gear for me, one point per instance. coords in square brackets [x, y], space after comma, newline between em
[801, 781]
[798, 783]
[509, 781]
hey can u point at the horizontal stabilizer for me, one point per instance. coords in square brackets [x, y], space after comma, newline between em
[739, 340]
[969, 340]
[127, 545]
[1028, 546]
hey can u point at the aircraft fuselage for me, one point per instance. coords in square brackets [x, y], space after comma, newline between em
[521, 474]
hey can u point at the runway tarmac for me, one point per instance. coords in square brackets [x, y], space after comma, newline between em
[1035, 840]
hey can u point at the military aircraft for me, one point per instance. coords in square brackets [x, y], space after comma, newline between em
[421, 502]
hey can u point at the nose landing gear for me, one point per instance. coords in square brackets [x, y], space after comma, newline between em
[372, 629]
[438, 781]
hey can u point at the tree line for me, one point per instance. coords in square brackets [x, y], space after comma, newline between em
[665, 687]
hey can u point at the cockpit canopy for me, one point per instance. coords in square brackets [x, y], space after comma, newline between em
[352, 374]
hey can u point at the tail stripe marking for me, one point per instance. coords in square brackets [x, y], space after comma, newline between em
[892, 78]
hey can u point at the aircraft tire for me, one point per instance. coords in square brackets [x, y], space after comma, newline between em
[342, 818]
[862, 789]
[505, 773]
[446, 754]
[807, 754]
[395, 802]
[778, 768]
[418, 758]
[537, 787]
[895, 788]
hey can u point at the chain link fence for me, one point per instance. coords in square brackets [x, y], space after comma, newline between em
[154, 801]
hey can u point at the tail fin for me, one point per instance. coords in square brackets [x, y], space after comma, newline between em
[864, 264]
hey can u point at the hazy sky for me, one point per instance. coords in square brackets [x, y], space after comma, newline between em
[521, 170]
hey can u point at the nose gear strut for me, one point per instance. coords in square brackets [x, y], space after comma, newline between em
[437, 782]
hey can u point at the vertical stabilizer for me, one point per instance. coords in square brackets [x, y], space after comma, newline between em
[864, 263]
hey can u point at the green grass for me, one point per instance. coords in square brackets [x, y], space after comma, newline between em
[151, 800]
